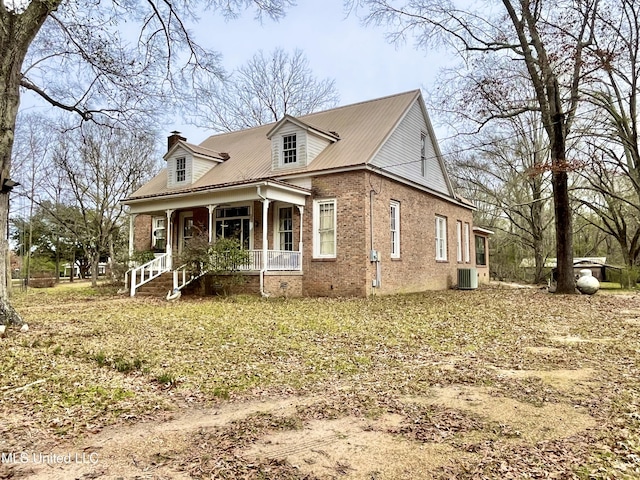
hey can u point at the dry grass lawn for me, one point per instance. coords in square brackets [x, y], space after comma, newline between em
[492, 383]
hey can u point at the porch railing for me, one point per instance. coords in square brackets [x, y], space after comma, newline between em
[280, 260]
[277, 260]
[147, 272]
[284, 260]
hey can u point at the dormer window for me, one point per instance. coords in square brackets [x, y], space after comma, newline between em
[181, 169]
[289, 150]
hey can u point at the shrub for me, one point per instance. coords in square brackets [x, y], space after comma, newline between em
[224, 258]
[42, 280]
[628, 277]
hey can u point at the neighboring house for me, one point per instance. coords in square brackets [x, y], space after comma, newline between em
[68, 269]
[351, 201]
[598, 266]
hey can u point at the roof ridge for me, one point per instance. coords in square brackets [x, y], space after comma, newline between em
[386, 97]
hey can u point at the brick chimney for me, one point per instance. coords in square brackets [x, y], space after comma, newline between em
[173, 139]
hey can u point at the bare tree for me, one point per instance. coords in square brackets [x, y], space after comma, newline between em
[611, 139]
[31, 156]
[499, 168]
[110, 77]
[548, 38]
[101, 166]
[263, 91]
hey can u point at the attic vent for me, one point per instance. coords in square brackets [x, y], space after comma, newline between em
[467, 279]
[224, 156]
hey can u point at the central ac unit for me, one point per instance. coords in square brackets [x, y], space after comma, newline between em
[467, 278]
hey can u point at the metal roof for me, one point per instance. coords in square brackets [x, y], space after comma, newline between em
[361, 129]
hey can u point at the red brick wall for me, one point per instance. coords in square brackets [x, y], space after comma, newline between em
[142, 233]
[417, 268]
[351, 272]
[201, 221]
[283, 285]
[346, 274]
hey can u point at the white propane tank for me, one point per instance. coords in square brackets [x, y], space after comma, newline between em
[587, 284]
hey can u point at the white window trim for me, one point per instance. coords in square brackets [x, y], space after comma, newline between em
[394, 214]
[155, 221]
[276, 225]
[467, 248]
[441, 239]
[282, 162]
[459, 241]
[316, 228]
[185, 169]
[250, 217]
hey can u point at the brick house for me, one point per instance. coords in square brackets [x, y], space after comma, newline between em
[351, 201]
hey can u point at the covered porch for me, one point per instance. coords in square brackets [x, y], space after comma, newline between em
[266, 218]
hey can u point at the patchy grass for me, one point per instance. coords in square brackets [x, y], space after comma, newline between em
[94, 359]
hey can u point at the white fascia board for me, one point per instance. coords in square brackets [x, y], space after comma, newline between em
[230, 194]
[304, 126]
[404, 181]
[483, 230]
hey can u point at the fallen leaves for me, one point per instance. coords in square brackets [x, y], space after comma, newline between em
[92, 360]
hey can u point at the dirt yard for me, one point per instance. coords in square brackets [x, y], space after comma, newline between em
[493, 383]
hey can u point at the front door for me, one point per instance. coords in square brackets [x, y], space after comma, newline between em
[186, 229]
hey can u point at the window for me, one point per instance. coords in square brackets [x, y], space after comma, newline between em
[234, 222]
[159, 237]
[394, 214]
[441, 238]
[187, 228]
[285, 228]
[231, 212]
[324, 228]
[423, 154]
[459, 240]
[181, 169]
[466, 242]
[481, 250]
[289, 150]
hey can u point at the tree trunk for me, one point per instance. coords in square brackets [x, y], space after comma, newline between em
[562, 209]
[112, 256]
[57, 257]
[8, 316]
[95, 260]
[73, 267]
[16, 35]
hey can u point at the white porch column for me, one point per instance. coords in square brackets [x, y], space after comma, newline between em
[300, 244]
[301, 210]
[132, 226]
[211, 224]
[265, 223]
[169, 248]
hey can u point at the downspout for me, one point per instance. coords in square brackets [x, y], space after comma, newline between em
[374, 256]
[265, 219]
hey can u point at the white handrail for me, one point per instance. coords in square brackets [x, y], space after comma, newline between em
[284, 260]
[277, 260]
[147, 272]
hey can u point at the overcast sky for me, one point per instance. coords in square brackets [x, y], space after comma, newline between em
[360, 60]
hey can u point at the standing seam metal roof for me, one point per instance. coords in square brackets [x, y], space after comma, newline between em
[362, 127]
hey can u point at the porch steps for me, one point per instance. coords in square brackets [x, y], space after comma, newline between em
[158, 287]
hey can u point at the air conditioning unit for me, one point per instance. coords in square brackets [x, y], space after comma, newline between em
[467, 279]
